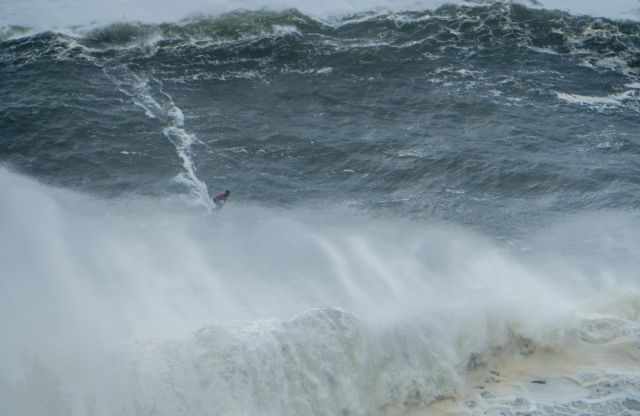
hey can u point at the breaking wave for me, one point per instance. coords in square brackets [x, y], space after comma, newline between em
[112, 307]
[497, 27]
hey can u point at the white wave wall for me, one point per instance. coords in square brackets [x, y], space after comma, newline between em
[142, 306]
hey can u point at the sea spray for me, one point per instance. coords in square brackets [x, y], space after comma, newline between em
[289, 313]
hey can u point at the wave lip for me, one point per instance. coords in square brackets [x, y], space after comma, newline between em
[501, 28]
[47, 15]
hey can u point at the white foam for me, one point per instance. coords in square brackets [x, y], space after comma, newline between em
[148, 94]
[614, 100]
[286, 30]
[324, 71]
[320, 71]
[546, 51]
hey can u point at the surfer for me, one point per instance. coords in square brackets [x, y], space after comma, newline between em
[221, 199]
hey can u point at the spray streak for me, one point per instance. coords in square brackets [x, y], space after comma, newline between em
[160, 105]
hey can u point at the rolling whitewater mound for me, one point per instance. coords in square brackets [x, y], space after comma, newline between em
[126, 308]
[433, 212]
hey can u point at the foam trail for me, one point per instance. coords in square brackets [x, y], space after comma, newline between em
[160, 105]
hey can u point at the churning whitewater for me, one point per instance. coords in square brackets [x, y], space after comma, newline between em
[433, 210]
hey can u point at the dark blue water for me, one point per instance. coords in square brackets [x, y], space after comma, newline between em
[457, 113]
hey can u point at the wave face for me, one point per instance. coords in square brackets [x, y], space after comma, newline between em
[429, 112]
[432, 211]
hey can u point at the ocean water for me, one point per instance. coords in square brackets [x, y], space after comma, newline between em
[433, 211]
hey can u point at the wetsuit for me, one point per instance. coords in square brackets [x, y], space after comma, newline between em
[220, 199]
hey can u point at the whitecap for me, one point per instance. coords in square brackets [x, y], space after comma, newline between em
[614, 100]
[285, 30]
[547, 51]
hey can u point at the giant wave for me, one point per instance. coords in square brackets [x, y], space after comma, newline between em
[433, 212]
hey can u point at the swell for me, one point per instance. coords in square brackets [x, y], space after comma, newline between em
[494, 27]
